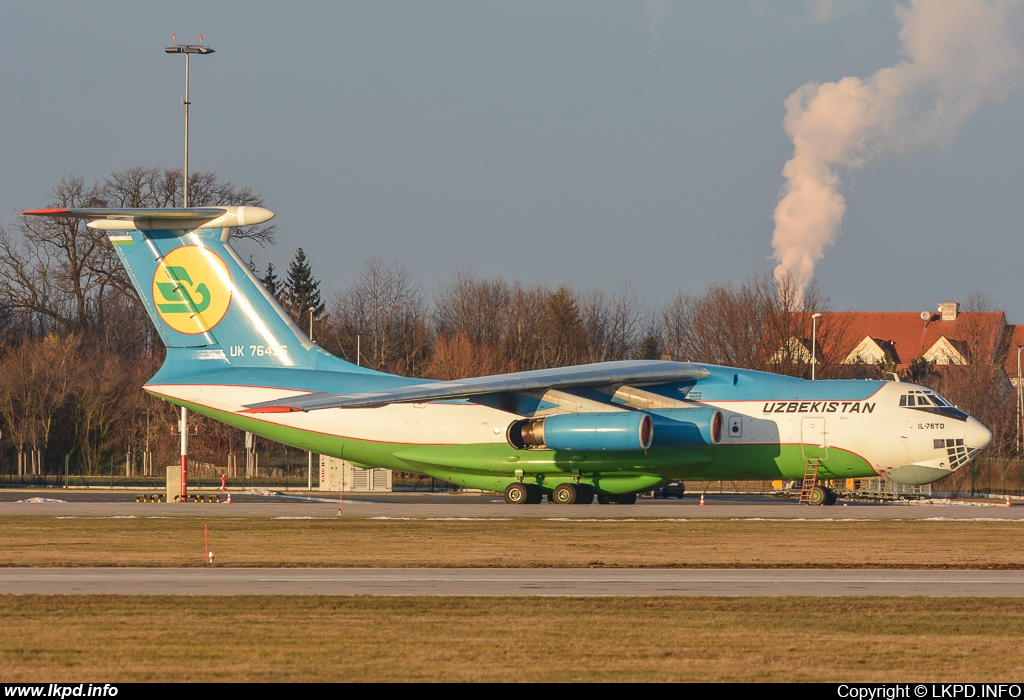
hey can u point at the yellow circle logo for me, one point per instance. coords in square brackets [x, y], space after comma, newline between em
[192, 289]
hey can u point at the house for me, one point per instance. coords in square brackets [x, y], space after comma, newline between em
[944, 337]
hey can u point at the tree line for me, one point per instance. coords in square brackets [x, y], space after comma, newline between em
[76, 345]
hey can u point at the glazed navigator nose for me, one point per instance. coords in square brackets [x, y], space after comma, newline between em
[976, 435]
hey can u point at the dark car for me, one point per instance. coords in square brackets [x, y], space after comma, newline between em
[674, 490]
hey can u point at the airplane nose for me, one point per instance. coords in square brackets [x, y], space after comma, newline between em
[977, 436]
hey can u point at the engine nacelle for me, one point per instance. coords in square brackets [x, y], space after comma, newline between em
[687, 427]
[620, 431]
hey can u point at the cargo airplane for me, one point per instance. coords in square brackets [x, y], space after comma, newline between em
[610, 430]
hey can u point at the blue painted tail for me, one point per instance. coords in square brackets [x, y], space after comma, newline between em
[204, 300]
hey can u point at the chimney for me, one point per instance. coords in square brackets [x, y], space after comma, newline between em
[949, 310]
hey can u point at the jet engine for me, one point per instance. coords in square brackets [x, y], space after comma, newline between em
[621, 431]
[687, 427]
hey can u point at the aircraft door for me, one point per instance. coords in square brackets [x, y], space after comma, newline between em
[814, 438]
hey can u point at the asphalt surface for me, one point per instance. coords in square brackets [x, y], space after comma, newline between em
[513, 582]
[121, 503]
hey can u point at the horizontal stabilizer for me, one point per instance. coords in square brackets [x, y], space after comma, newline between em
[141, 219]
[603, 374]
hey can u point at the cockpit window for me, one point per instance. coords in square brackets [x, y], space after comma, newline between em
[923, 398]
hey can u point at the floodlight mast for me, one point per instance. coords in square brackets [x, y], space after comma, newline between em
[814, 342]
[188, 50]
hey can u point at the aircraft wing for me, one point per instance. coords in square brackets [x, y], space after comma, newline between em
[600, 374]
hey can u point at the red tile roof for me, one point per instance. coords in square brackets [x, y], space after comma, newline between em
[913, 336]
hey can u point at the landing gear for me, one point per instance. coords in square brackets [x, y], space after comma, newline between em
[564, 494]
[822, 496]
[519, 493]
[568, 494]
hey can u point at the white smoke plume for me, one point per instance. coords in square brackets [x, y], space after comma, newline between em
[959, 55]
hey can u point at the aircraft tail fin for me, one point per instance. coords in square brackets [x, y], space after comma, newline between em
[198, 292]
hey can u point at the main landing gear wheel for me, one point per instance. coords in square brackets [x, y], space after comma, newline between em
[830, 497]
[517, 493]
[566, 494]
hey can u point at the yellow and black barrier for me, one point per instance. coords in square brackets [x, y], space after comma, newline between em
[198, 498]
[150, 498]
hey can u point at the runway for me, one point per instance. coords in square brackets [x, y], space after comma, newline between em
[399, 505]
[510, 582]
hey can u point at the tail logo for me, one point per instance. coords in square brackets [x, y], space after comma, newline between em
[192, 289]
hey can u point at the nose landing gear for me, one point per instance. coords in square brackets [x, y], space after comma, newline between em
[822, 496]
[813, 492]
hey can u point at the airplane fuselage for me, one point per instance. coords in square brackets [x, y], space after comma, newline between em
[770, 427]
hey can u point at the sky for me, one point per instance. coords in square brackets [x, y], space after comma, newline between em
[594, 144]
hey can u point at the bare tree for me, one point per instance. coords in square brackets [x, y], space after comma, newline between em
[105, 384]
[473, 307]
[35, 382]
[525, 344]
[725, 325]
[457, 356]
[384, 309]
[54, 268]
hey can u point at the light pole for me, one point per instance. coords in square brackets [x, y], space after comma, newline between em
[188, 50]
[1020, 399]
[309, 453]
[814, 342]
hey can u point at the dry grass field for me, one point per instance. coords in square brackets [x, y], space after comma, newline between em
[520, 542]
[356, 638]
[305, 638]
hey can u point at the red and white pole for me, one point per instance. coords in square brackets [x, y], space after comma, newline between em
[184, 453]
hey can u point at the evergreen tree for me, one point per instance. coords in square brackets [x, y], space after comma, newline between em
[301, 290]
[271, 282]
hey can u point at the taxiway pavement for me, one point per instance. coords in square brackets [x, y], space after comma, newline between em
[94, 503]
[510, 582]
